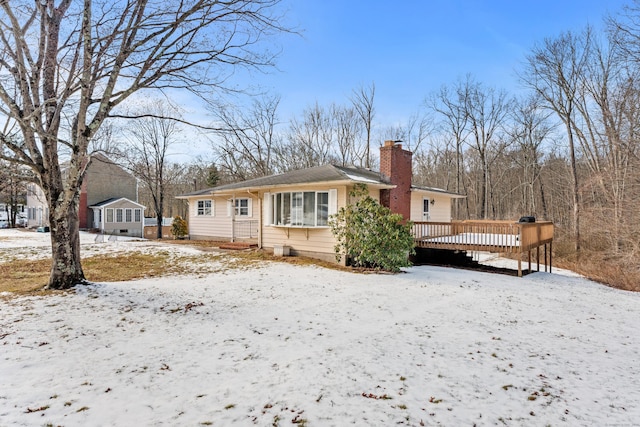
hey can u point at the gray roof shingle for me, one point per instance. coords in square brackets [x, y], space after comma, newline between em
[326, 173]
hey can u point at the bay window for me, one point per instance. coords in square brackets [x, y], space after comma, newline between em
[299, 208]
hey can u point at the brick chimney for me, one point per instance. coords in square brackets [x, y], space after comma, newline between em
[395, 166]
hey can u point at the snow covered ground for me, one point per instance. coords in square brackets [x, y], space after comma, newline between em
[279, 344]
[486, 239]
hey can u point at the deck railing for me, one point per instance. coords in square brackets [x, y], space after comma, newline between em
[487, 236]
[472, 236]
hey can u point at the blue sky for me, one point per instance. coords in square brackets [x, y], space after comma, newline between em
[411, 48]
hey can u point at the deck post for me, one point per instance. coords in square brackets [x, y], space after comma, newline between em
[529, 259]
[538, 257]
[550, 256]
[546, 262]
[519, 265]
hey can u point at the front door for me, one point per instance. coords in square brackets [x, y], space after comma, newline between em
[425, 209]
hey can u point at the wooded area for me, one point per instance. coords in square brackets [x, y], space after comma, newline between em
[565, 149]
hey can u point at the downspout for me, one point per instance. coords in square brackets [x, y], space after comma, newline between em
[259, 217]
[233, 217]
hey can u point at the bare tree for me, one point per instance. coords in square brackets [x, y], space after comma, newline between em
[347, 129]
[530, 129]
[13, 189]
[553, 70]
[449, 106]
[486, 110]
[363, 101]
[150, 139]
[66, 65]
[247, 137]
[607, 104]
[624, 31]
[309, 141]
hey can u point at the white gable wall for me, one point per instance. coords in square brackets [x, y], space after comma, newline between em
[218, 225]
[439, 211]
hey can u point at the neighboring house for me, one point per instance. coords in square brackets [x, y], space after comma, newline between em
[119, 216]
[37, 208]
[293, 209]
[5, 213]
[104, 181]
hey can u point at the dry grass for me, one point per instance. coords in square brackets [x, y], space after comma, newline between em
[24, 276]
[615, 273]
[621, 272]
[29, 276]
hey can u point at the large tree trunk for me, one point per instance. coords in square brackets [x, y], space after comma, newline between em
[66, 270]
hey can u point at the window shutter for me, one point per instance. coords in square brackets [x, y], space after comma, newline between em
[333, 201]
[213, 207]
[250, 207]
[229, 207]
[268, 209]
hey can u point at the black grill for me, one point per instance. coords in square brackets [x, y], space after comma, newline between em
[527, 219]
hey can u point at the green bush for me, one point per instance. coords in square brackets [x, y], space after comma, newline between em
[370, 235]
[179, 227]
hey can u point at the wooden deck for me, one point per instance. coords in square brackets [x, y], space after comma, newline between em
[489, 236]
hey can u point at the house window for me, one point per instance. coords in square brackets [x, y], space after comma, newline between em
[128, 215]
[119, 215]
[138, 215]
[109, 215]
[322, 212]
[296, 208]
[204, 207]
[425, 209]
[242, 207]
[300, 208]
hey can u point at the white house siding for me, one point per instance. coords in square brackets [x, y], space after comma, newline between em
[218, 225]
[317, 242]
[133, 228]
[439, 211]
[37, 209]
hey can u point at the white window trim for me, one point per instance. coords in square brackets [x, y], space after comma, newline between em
[236, 214]
[270, 214]
[204, 208]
